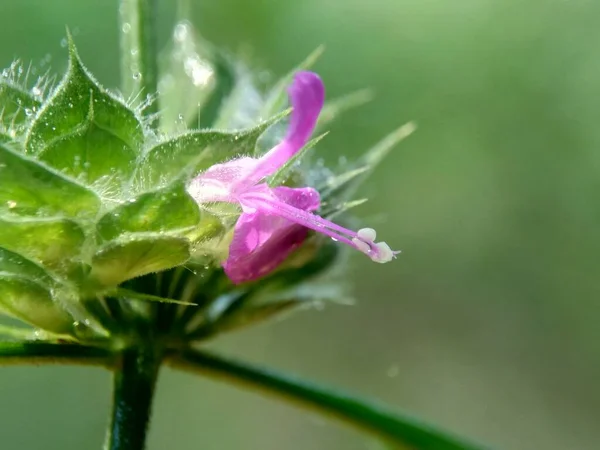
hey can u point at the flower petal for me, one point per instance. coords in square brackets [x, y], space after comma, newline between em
[219, 182]
[262, 241]
[307, 94]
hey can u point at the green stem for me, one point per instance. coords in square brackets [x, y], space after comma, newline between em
[133, 389]
[367, 415]
[139, 67]
[12, 353]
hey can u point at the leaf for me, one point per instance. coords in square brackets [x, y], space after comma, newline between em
[283, 174]
[14, 263]
[133, 256]
[129, 294]
[187, 78]
[277, 97]
[29, 301]
[54, 243]
[84, 131]
[29, 188]
[167, 210]
[365, 414]
[193, 152]
[16, 106]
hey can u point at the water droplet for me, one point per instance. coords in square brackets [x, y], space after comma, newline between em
[181, 31]
[11, 204]
[126, 28]
[37, 91]
[137, 76]
[63, 42]
[393, 371]
[28, 112]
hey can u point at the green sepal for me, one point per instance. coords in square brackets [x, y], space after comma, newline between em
[17, 105]
[190, 153]
[11, 262]
[168, 210]
[135, 255]
[30, 188]
[31, 302]
[285, 172]
[85, 131]
[54, 243]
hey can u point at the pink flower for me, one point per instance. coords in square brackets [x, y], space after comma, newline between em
[275, 220]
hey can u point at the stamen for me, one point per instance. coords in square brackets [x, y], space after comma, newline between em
[361, 241]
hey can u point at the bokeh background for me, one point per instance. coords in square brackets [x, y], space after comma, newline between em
[488, 322]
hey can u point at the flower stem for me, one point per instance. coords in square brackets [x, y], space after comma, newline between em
[133, 389]
[139, 67]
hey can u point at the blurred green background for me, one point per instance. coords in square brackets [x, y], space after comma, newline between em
[488, 322]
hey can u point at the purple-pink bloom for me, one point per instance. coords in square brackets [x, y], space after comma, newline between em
[275, 220]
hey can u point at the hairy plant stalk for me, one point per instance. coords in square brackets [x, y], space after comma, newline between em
[139, 67]
[133, 390]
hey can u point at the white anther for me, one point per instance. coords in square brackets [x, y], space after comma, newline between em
[367, 234]
[383, 253]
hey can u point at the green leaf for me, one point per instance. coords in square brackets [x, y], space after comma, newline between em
[84, 131]
[17, 105]
[365, 414]
[53, 243]
[193, 152]
[133, 256]
[277, 97]
[31, 302]
[14, 263]
[29, 188]
[187, 78]
[168, 210]
[283, 174]
[129, 294]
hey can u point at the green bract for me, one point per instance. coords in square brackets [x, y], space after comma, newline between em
[94, 213]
